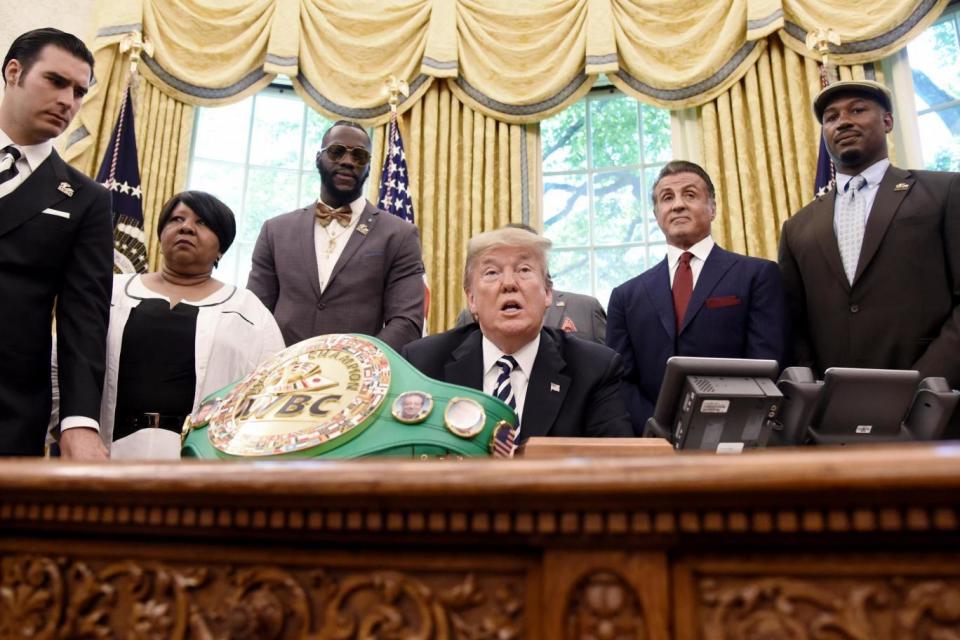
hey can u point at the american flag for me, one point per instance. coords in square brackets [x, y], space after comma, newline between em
[825, 171]
[504, 441]
[395, 191]
[120, 174]
[394, 179]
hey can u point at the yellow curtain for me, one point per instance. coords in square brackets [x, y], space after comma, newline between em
[164, 131]
[760, 143]
[516, 61]
[468, 173]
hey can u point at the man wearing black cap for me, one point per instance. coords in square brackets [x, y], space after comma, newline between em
[872, 267]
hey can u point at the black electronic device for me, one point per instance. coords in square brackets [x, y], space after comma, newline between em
[716, 404]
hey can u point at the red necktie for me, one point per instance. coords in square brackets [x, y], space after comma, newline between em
[682, 288]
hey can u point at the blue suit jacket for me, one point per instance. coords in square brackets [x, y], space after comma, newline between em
[738, 310]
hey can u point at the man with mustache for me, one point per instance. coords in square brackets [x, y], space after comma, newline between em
[56, 252]
[558, 384]
[701, 300]
[341, 265]
[872, 268]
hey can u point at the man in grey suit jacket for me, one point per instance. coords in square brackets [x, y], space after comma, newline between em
[342, 265]
[892, 299]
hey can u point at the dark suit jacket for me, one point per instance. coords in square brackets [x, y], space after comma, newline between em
[375, 288]
[46, 257]
[738, 310]
[903, 309]
[583, 312]
[587, 403]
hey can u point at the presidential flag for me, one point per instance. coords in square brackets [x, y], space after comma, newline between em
[395, 190]
[120, 174]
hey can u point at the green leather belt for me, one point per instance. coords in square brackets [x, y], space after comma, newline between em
[346, 396]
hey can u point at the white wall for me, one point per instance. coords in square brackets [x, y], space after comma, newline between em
[17, 16]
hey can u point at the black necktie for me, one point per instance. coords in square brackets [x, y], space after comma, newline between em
[8, 159]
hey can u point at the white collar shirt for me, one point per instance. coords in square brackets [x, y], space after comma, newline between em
[700, 251]
[519, 377]
[31, 157]
[873, 175]
[329, 241]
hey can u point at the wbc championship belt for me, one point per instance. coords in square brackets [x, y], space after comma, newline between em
[346, 396]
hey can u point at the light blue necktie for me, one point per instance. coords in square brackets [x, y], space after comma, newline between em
[851, 222]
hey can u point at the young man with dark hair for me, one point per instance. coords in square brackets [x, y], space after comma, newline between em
[56, 251]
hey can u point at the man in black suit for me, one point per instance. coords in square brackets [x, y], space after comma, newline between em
[872, 268]
[558, 384]
[56, 246]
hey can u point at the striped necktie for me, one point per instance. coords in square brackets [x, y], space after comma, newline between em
[8, 169]
[503, 388]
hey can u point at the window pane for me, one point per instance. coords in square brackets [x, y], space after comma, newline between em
[565, 212]
[654, 234]
[615, 266]
[940, 139]
[656, 134]
[570, 269]
[269, 193]
[277, 132]
[224, 180]
[617, 200]
[222, 132]
[614, 131]
[316, 126]
[935, 62]
[563, 139]
[235, 264]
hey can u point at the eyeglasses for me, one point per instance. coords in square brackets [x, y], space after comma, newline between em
[336, 151]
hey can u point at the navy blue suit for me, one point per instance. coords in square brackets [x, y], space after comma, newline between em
[738, 310]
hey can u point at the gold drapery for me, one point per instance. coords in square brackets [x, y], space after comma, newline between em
[760, 144]
[516, 61]
[468, 173]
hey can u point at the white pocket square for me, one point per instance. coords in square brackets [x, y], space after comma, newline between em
[57, 212]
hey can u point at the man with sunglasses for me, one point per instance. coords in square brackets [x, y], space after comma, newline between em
[341, 265]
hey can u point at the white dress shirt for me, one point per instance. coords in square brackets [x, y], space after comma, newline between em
[519, 377]
[31, 157]
[323, 236]
[700, 252]
[873, 175]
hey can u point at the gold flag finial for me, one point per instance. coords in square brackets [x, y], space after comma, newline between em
[819, 41]
[136, 44]
[394, 88]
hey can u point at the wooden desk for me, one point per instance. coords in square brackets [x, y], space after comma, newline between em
[797, 544]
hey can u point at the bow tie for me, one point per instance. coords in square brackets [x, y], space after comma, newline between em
[325, 214]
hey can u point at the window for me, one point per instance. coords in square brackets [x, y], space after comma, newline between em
[935, 64]
[600, 157]
[258, 157]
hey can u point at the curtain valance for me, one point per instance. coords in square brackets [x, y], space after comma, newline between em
[516, 60]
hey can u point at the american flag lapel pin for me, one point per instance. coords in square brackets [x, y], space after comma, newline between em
[66, 189]
[902, 186]
[554, 387]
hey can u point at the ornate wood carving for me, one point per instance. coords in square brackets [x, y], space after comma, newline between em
[861, 608]
[603, 606]
[46, 598]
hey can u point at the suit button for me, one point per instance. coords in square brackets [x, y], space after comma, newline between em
[854, 308]
[321, 306]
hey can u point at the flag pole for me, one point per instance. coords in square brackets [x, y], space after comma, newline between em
[819, 42]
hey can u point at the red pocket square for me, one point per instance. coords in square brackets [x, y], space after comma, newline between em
[722, 301]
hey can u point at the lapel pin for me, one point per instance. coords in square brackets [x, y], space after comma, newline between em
[554, 387]
[902, 186]
[363, 229]
[561, 303]
[65, 189]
